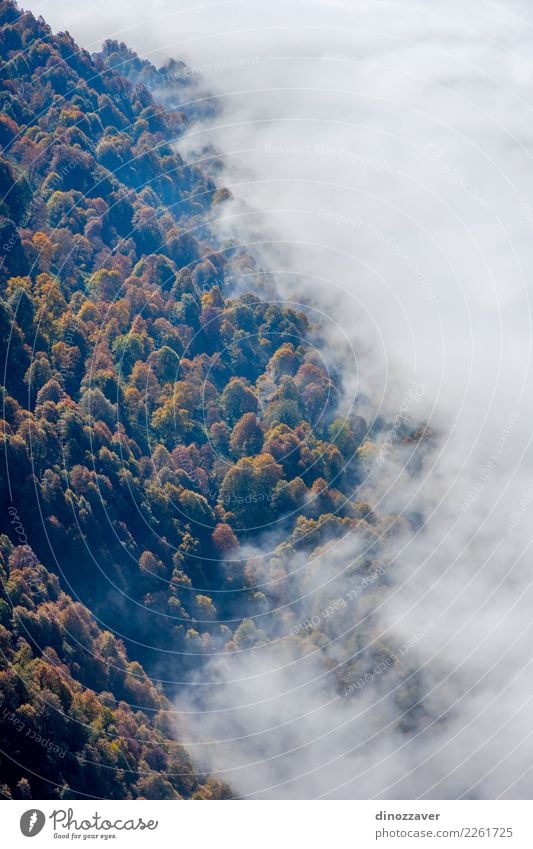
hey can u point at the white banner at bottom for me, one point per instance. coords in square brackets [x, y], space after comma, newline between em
[268, 824]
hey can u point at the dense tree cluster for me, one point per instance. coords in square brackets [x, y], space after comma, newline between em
[78, 718]
[157, 417]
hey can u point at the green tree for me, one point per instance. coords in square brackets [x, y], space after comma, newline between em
[238, 399]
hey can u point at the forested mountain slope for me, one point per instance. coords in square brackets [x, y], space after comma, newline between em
[161, 414]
